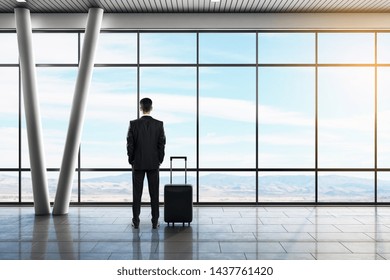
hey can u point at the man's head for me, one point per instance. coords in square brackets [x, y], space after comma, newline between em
[146, 105]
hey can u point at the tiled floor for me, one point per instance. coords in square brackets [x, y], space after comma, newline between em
[300, 233]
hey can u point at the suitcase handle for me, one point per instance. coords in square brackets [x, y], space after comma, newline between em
[185, 171]
[185, 158]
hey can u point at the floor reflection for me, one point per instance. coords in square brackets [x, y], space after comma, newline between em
[52, 237]
[40, 236]
[63, 232]
[178, 243]
[102, 233]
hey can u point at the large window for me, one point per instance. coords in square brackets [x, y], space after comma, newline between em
[346, 117]
[227, 48]
[227, 116]
[227, 113]
[346, 186]
[116, 48]
[286, 117]
[173, 91]
[112, 104]
[347, 48]
[55, 48]
[286, 186]
[286, 48]
[8, 48]
[263, 116]
[9, 118]
[167, 48]
[383, 108]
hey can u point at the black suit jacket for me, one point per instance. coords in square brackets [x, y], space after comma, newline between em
[146, 143]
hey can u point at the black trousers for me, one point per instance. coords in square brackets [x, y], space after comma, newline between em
[138, 184]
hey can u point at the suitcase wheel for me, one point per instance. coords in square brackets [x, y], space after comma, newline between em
[173, 224]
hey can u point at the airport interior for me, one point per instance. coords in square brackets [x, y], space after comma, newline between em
[281, 109]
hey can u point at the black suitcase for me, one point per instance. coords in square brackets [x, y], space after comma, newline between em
[178, 200]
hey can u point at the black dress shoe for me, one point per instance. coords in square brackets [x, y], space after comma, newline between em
[155, 224]
[135, 224]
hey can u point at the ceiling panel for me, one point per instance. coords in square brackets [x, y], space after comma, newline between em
[201, 6]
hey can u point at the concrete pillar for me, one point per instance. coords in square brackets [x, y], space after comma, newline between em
[31, 107]
[76, 122]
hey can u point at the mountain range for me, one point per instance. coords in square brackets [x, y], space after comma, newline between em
[222, 187]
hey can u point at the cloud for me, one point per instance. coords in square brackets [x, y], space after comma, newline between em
[283, 159]
[228, 109]
[280, 138]
[357, 48]
[9, 48]
[230, 48]
[9, 146]
[221, 159]
[221, 56]
[162, 79]
[116, 48]
[173, 109]
[117, 160]
[168, 48]
[55, 47]
[108, 100]
[113, 108]
[9, 91]
[215, 139]
[182, 141]
[359, 123]
[346, 155]
[270, 115]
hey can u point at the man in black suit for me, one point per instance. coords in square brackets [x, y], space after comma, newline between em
[146, 150]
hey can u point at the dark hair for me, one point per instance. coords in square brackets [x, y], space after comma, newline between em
[146, 104]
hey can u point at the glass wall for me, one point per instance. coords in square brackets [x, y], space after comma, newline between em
[111, 104]
[286, 186]
[173, 91]
[227, 117]
[383, 116]
[286, 117]
[346, 113]
[263, 117]
[346, 186]
[346, 117]
[9, 119]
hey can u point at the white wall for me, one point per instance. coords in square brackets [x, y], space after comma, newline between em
[209, 21]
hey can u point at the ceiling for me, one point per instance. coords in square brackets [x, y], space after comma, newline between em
[201, 6]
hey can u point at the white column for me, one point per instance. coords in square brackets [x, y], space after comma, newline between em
[31, 107]
[76, 122]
